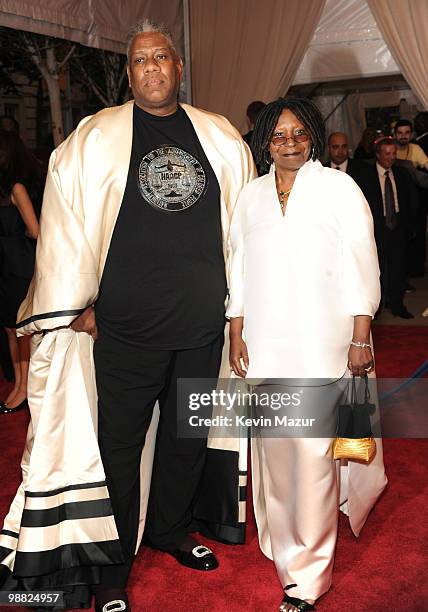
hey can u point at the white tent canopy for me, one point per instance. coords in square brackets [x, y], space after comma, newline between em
[95, 23]
[347, 44]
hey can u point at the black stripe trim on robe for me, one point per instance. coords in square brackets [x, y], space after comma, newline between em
[39, 570]
[66, 512]
[73, 583]
[67, 557]
[217, 508]
[50, 315]
[4, 552]
[12, 534]
[243, 493]
[76, 487]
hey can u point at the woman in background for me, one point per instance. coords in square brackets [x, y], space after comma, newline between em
[19, 175]
[304, 287]
[365, 148]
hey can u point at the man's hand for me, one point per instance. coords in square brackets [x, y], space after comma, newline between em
[86, 322]
[238, 352]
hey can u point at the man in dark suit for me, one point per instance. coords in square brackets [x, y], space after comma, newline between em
[338, 152]
[253, 111]
[421, 130]
[392, 198]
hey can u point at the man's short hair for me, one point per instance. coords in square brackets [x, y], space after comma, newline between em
[384, 140]
[147, 25]
[254, 109]
[403, 123]
[335, 134]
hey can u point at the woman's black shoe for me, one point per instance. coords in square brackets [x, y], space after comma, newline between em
[299, 604]
[4, 408]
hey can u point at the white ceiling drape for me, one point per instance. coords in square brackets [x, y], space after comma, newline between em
[404, 26]
[95, 23]
[347, 44]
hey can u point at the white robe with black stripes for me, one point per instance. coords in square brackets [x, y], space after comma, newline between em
[60, 527]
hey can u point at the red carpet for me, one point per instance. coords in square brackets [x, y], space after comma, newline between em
[386, 569]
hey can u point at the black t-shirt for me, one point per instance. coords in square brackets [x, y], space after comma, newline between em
[164, 283]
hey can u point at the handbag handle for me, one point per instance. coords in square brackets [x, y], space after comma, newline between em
[366, 389]
[354, 400]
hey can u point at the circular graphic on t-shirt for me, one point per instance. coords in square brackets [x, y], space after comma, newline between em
[171, 179]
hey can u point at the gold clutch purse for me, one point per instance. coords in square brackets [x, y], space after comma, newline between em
[359, 449]
[355, 440]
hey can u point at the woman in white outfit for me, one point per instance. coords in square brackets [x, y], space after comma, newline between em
[304, 289]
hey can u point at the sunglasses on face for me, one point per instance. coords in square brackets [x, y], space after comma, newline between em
[280, 139]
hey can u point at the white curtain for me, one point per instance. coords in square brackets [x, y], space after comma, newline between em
[404, 27]
[245, 50]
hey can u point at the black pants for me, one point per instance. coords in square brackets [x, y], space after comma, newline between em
[417, 247]
[5, 361]
[393, 260]
[129, 381]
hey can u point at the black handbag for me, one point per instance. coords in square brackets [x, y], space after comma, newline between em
[355, 440]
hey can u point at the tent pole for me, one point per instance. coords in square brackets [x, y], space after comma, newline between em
[187, 56]
[337, 106]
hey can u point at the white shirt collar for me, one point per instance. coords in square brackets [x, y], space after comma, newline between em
[381, 170]
[343, 166]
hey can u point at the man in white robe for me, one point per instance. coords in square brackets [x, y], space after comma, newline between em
[60, 529]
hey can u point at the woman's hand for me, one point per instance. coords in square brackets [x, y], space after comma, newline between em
[238, 351]
[360, 360]
[86, 322]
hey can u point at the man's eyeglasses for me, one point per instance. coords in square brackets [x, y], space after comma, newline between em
[280, 140]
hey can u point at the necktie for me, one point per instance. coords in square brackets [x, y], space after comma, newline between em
[390, 214]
